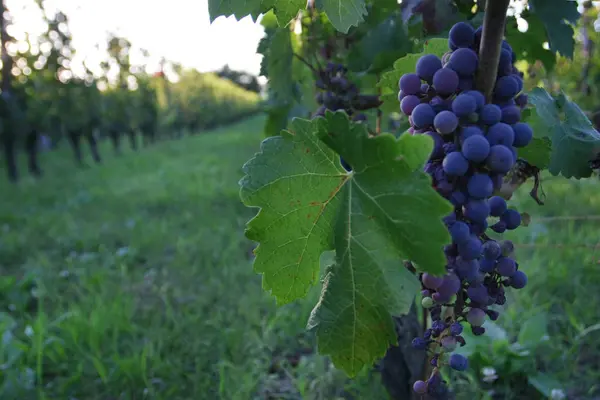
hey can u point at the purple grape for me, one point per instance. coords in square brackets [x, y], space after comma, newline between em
[438, 104]
[455, 164]
[523, 134]
[506, 88]
[456, 329]
[427, 66]
[471, 249]
[445, 122]
[477, 330]
[460, 233]
[423, 116]
[438, 145]
[511, 115]
[522, 100]
[477, 210]
[450, 286]
[500, 159]
[440, 298]
[506, 266]
[487, 266]
[449, 147]
[432, 282]
[467, 270]
[478, 228]
[499, 227]
[458, 198]
[469, 131]
[464, 62]
[420, 343]
[479, 98]
[458, 362]
[476, 316]
[505, 63]
[410, 84]
[491, 114]
[480, 186]
[408, 104]
[491, 250]
[498, 180]
[420, 387]
[462, 35]
[507, 247]
[497, 206]
[478, 293]
[512, 219]
[501, 133]
[464, 105]
[518, 280]
[401, 95]
[449, 343]
[519, 82]
[445, 81]
[476, 148]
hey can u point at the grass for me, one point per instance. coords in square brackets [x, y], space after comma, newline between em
[133, 280]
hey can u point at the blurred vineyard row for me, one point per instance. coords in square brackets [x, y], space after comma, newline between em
[45, 101]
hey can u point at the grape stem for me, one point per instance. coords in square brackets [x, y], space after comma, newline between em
[494, 22]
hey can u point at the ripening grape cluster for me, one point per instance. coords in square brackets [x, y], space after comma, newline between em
[475, 146]
[338, 93]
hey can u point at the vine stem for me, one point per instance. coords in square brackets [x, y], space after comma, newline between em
[494, 21]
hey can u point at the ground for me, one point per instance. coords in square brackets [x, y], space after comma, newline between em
[133, 280]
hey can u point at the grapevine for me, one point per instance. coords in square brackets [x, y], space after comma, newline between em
[419, 213]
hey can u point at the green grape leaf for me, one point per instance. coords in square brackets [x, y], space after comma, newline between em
[528, 45]
[537, 153]
[389, 80]
[343, 14]
[575, 142]
[277, 64]
[556, 16]
[380, 47]
[284, 10]
[277, 118]
[382, 213]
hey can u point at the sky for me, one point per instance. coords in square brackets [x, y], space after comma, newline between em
[179, 30]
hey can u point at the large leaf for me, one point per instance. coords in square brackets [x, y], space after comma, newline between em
[284, 10]
[404, 65]
[575, 142]
[343, 14]
[380, 47]
[537, 153]
[529, 45]
[556, 16]
[375, 217]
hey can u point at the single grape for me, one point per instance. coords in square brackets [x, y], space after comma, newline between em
[438, 104]
[460, 234]
[464, 62]
[519, 82]
[431, 281]
[518, 280]
[455, 164]
[478, 293]
[427, 302]
[508, 248]
[505, 63]
[401, 96]
[449, 343]
[511, 114]
[493, 314]
[476, 316]
[464, 105]
[506, 266]
[420, 343]
[423, 115]
[479, 98]
[456, 329]
[490, 114]
[477, 330]
[477, 210]
[487, 266]
[420, 387]
[501, 133]
[476, 148]
[499, 227]
[506, 88]
[445, 122]
[497, 206]
[512, 219]
[523, 134]
[500, 159]
[458, 198]
[445, 81]
[470, 249]
[478, 228]
[458, 362]
[427, 66]
[440, 298]
[408, 104]
[521, 100]
[450, 286]
[480, 186]
[410, 84]
[491, 250]
[462, 35]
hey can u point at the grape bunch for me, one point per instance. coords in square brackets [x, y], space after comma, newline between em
[475, 146]
[336, 92]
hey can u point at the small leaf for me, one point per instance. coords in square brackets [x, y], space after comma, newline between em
[574, 140]
[534, 331]
[284, 10]
[404, 65]
[544, 383]
[343, 14]
[382, 213]
[537, 153]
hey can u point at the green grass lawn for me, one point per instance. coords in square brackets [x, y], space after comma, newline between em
[133, 280]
